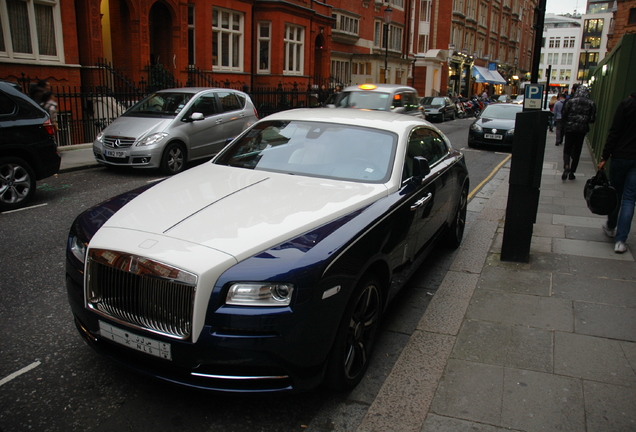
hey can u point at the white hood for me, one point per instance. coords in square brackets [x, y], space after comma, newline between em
[237, 211]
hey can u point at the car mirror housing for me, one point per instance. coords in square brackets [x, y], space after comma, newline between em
[196, 116]
[421, 168]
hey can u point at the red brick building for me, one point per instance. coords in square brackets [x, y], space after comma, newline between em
[267, 43]
[624, 21]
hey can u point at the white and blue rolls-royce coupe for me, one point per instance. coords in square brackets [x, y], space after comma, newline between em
[268, 268]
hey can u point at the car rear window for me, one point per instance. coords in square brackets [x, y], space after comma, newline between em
[365, 100]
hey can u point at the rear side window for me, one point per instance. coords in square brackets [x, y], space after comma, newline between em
[229, 101]
[7, 106]
[13, 107]
[205, 105]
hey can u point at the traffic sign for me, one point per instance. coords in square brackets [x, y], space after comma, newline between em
[533, 97]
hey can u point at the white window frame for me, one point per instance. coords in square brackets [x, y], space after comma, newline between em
[294, 49]
[8, 54]
[340, 69]
[346, 24]
[425, 10]
[263, 69]
[219, 32]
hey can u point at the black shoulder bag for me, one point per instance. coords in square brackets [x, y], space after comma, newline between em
[600, 196]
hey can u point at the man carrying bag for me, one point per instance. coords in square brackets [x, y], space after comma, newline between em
[621, 148]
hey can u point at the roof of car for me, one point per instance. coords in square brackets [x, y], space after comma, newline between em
[378, 87]
[195, 90]
[11, 84]
[356, 117]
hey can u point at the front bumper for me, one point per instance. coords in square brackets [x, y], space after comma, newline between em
[219, 360]
[137, 157]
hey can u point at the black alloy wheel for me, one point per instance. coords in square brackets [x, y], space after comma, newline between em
[17, 183]
[455, 232]
[356, 336]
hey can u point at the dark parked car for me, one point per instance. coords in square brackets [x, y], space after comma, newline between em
[28, 150]
[438, 108]
[268, 268]
[495, 126]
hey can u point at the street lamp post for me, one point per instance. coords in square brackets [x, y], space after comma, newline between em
[388, 14]
[586, 46]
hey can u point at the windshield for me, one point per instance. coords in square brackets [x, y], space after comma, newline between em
[432, 101]
[160, 105]
[314, 149]
[365, 100]
[507, 112]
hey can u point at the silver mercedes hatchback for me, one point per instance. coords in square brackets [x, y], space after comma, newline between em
[170, 128]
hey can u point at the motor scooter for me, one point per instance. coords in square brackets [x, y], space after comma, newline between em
[459, 107]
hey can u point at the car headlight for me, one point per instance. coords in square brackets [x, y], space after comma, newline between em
[511, 131]
[152, 139]
[259, 294]
[475, 127]
[77, 248]
[100, 137]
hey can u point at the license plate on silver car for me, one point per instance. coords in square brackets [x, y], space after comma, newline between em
[135, 341]
[493, 136]
[115, 153]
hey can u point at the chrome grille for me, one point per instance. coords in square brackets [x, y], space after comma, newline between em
[140, 292]
[118, 141]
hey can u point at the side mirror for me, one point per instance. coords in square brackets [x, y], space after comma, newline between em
[399, 110]
[196, 116]
[421, 168]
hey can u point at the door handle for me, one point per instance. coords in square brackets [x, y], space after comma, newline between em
[420, 202]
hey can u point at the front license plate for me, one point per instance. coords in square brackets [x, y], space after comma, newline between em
[136, 342]
[493, 136]
[115, 153]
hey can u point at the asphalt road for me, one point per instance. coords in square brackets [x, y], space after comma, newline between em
[51, 381]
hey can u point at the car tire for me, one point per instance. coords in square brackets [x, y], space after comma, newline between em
[352, 348]
[17, 183]
[455, 232]
[173, 160]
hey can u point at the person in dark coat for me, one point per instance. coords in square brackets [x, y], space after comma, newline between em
[620, 147]
[578, 112]
[37, 91]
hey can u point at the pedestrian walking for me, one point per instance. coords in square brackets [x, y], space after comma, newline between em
[36, 92]
[620, 147]
[577, 114]
[49, 103]
[553, 101]
[558, 122]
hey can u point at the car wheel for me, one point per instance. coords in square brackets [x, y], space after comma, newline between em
[356, 336]
[173, 159]
[455, 231]
[17, 183]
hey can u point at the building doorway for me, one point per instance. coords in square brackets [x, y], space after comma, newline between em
[160, 29]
